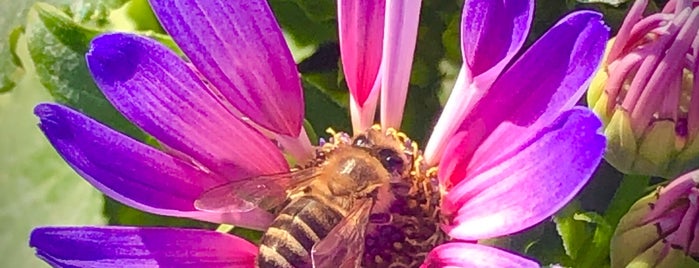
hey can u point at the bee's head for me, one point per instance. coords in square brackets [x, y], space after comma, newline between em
[386, 149]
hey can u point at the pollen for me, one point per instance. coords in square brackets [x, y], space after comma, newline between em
[413, 228]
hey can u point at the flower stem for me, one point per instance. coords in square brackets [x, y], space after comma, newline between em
[632, 187]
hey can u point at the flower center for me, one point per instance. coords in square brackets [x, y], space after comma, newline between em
[410, 229]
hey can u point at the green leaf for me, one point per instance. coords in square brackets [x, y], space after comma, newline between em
[14, 38]
[38, 187]
[573, 232]
[10, 65]
[57, 46]
[540, 241]
[318, 10]
[305, 30]
[327, 83]
[135, 15]
[248, 234]
[322, 113]
[451, 39]
[596, 252]
[310, 131]
[94, 12]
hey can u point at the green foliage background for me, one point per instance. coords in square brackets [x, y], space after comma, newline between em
[42, 60]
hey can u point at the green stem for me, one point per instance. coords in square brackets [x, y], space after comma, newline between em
[632, 188]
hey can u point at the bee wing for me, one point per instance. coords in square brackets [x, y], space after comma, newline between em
[344, 245]
[266, 192]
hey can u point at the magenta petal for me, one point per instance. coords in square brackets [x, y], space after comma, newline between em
[548, 79]
[157, 91]
[491, 34]
[361, 39]
[238, 46]
[529, 185]
[464, 255]
[131, 172]
[140, 247]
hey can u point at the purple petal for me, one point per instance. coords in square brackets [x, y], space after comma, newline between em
[529, 185]
[548, 79]
[238, 46]
[485, 24]
[400, 35]
[140, 247]
[157, 91]
[361, 35]
[474, 255]
[131, 172]
[491, 34]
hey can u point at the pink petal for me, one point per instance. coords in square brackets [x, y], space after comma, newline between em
[361, 35]
[239, 47]
[140, 247]
[527, 186]
[361, 25]
[400, 36]
[133, 173]
[634, 15]
[157, 91]
[464, 255]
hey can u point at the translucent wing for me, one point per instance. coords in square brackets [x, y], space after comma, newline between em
[344, 245]
[266, 192]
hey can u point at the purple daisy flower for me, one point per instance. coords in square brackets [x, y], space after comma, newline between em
[509, 150]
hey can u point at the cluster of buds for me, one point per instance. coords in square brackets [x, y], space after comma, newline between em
[661, 229]
[647, 91]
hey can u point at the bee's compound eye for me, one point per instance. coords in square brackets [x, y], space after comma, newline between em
[361, 141]
[391, 160]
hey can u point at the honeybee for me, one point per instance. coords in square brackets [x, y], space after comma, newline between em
[325, 209]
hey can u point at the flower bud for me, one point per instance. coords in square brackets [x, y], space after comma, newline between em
[661, 229]
[646, 91]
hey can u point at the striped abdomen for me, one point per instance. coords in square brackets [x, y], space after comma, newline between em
[290, 237]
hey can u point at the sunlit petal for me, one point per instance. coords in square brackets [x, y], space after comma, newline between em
[527, 186]
[239, 47]
[466, 255]
[131, 172]
[157, 91]
[140, 247]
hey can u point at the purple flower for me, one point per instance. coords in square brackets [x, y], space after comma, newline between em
[510, 149]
